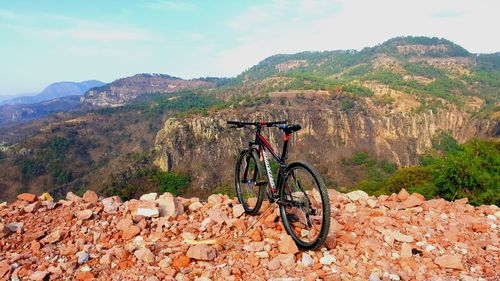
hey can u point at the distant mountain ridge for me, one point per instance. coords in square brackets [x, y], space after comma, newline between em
[56, 90]
[122, 91]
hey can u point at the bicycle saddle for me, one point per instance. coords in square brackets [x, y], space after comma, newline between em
[288, 129]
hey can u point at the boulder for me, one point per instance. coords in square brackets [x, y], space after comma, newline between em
[449, 261]
[90, 197]
[287, 245]
[149, 197]
[202, 252]
[29, 197]
[168, 205]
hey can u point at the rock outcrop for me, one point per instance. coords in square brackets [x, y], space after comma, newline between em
[391, 241]
[193, 144]
[123, 90]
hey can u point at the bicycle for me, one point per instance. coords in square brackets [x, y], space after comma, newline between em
[299, 191]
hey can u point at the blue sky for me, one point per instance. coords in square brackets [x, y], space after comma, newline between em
[44, 41]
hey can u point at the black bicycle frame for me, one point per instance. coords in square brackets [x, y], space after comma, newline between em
[263, 144]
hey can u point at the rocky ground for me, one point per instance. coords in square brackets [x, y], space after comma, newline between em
[398, 237]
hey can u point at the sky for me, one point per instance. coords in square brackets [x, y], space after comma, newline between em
[45, 41]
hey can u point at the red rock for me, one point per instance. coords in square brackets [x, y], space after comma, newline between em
[73, 197]
[84, 215]
[4, 268]
[405, 251]
[90, 197]
[145, 255]
[130, 232]
[38, 275]
[82, 276]
[462, 201]
[181, 262]
[287, 245]
[480, 227]
[202, 252]
[411, 202]
[403, 195]
[29, 197]
[449, 261]
[255, 235]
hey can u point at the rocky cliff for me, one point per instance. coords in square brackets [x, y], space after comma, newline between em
[204, 146]
[124, 90]
[397, 237]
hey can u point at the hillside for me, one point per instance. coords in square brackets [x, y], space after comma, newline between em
[122, 91]
[391, 102]
[18, 113]
[397, 237]
[55, 90]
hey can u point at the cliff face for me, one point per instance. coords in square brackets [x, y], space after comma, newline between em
[204, 146]
[124, 90]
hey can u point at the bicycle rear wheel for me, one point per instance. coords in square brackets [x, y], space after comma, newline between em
[304, 206]
[249, 181]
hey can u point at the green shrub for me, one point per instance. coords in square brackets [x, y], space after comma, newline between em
[408, 178]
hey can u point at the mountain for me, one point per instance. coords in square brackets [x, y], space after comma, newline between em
[398, 237]
[121, 91]
[16, 113]
[55, 90]
[365, 114]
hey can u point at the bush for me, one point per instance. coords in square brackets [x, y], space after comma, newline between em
[408, 178]
[473, 172]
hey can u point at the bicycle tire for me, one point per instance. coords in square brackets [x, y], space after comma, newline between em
[325, 222]
[257, 182]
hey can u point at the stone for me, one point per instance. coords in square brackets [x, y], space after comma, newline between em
[181, 262]
[52, 237]
[4, 268]
[287, 245]
[357, 195]
[105, 259]
[372, 203]
[145, 255]
[286, 260]
[33, 207]
[124, 224]
[238, 210]
[403, 195]
[405, 251]
[202, 252]
[480, 227]
[149, 197]
[307, 260]
[218, 216]
[412, 201]
[398, 236]
[374, 277]
[82, 257]
[111, 204]
[215, 199]
[449, 261]
[90, 197]
[350, 208]
[15, 226]
[195, 206]
[72, 197]
[149, 212]
[39, 275]
[130, 232]
[165, 264]
[327, 259]
[84, 275]
[84, 215]
[29, 197]
[4, 230]
[168, 205]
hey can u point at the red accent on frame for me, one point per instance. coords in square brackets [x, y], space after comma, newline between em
[286, 137]
[266, 144]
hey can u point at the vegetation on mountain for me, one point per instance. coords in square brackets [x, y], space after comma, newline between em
[451, 171]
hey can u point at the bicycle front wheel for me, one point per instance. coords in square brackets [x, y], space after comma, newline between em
[249, 181]
[304, 206]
